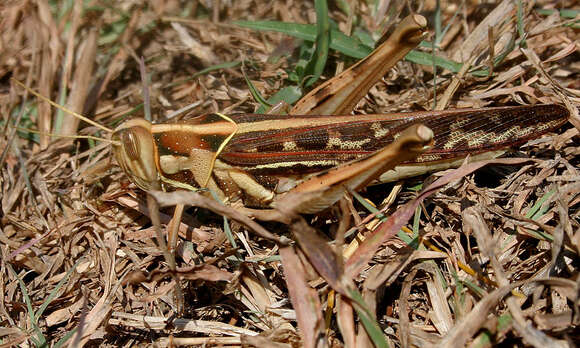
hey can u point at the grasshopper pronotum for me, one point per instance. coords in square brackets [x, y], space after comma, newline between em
[257, 157]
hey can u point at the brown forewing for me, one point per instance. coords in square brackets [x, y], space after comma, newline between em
[300, 144]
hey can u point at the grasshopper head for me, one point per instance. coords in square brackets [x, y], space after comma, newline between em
[135, 152]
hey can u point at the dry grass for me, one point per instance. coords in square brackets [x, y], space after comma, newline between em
[79, 260]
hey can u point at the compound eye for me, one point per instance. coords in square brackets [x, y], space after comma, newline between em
[130, 144]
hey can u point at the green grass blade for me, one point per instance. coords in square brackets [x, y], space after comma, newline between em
[39, 340]
[229, 233]
[255, 93]
[564, 13]
[426, 58]
[535, 212]
[54, 291]
[364, 37]
[373, 210]
[475, 288]
[344, 6]
[368, 320]
[437, 22]
[348, 46]
[65, 338]
[352, 46]
[317, 62]
[415, 237]
[340, 42]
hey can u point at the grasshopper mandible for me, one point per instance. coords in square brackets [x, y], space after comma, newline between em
[257, 157]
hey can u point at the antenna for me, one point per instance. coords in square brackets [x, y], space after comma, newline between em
[77, 115]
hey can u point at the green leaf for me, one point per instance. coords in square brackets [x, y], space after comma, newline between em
[290, 95]
[364, 37]
[426, 58]
[347, 45]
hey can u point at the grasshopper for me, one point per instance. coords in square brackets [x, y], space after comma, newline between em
[253, 158]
